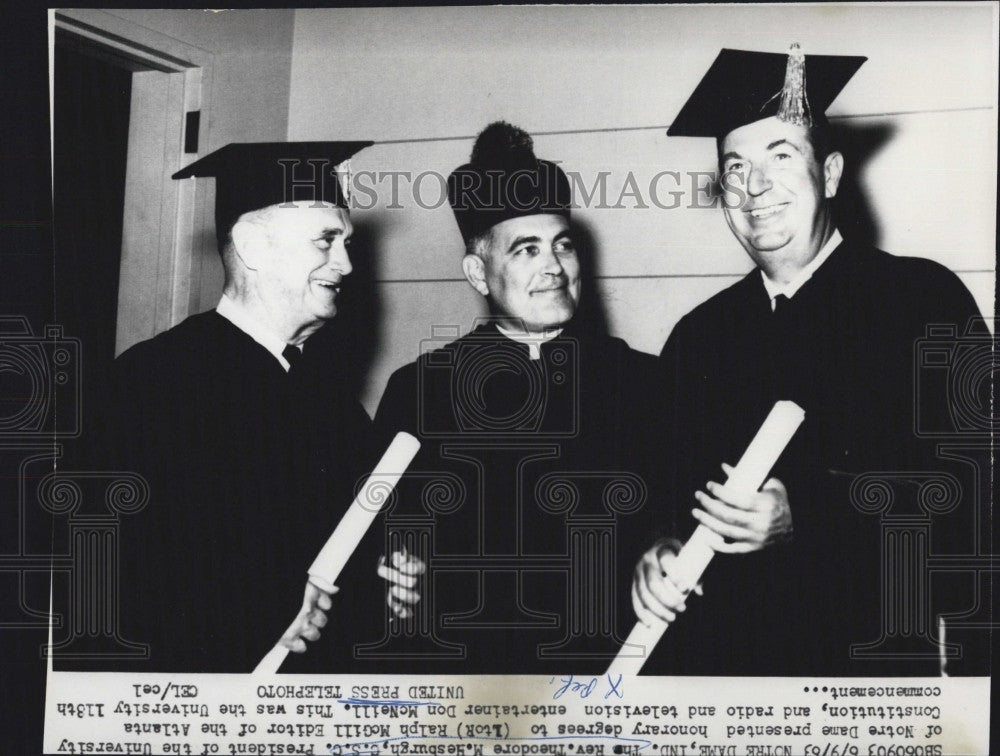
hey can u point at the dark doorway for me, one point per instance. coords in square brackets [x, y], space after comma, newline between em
[92, 97]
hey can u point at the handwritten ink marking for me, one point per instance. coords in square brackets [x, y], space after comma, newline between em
[584, 689]
[384, 702]
[614, 688]
[634, 745]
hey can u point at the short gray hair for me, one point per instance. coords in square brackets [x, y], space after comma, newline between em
[478, 244]
[261, 217]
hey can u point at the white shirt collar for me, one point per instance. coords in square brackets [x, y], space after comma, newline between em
[789, 289]
[533, 341]
[243, 319]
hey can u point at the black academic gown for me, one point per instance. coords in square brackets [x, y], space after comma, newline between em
[843, 348]
[531, 496]
[249, 469]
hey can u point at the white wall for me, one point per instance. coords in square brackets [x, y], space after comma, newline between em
[424, 81]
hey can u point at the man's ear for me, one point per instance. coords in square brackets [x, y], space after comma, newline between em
[250, 243]
[833, 169]
[475, 273]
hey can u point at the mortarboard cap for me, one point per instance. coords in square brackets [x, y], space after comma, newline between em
[251, 176]
[743, 86]
[502, 180]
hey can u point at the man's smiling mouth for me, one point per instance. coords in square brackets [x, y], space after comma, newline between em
[550, 289]
[768, 211]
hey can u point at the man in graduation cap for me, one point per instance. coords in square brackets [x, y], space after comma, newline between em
[242, 423]
[530, 425]
[830, 323]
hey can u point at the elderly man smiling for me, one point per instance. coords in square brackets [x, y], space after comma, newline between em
[240, 419]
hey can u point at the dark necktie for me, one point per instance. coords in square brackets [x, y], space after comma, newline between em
[293, 355]
[780, 302]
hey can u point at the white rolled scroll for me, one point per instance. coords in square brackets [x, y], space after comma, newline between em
[352, 527]
[746, 479]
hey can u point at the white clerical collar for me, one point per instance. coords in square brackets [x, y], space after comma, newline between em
[533, 341]
[789, 289]
[242, 318]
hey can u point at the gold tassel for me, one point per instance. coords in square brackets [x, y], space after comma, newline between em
[794, 107]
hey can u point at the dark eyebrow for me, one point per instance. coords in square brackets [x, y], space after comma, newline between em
[518, 241]
[331, 231]
[779, 142]
[771, 146]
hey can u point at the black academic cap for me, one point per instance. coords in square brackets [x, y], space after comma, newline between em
[251, 176]
[502, 180]
[743, 86]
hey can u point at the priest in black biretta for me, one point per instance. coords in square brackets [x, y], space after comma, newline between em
[502, 180]
[254, 175]
[805, 584]
[243, 423]
[529, 396]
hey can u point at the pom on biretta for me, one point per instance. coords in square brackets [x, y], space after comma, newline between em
[502, 180]
[251, 176]
[743, 86]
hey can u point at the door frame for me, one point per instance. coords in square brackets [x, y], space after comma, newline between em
[157, 286]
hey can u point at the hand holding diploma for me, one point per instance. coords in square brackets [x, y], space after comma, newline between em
[310, 619]
[752, 518]
[401, 572]
[333, 556]
[654, 594]
[749, 522]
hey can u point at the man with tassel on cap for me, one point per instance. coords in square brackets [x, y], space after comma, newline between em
[241, 421]
[537, 425]
[831, 323]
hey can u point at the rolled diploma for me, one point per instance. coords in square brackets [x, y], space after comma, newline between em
[745, 480]
[352, 527]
